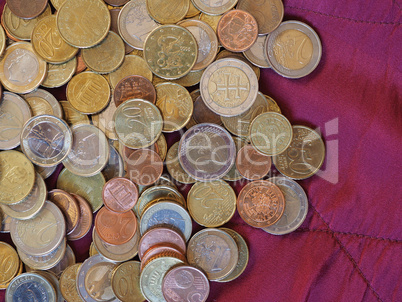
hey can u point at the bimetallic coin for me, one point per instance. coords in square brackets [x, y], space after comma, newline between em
[211, 204]
[152, 276]
[45, 172]
[233, 174]
[88, 92]
[257, 53]
[240, 124]
[270, 133]
[183, 282]
[170, 51]
[134, 87]
[174, 168]
[175, 104]
[9, 263]
[167, 214]
[115, 165]
[2, 40]
[90, 188]
[48, 44]
[84, 221]
[90, 150]
[305, 155]
[237, 30]
[192, 11]
[107, 56]
[243, 255]
[296, 207]
[206, 40]
[42, 234]
[30, 286]
[31, 204]
[120, 194]
[55, 283]
[43, 102]
[5, 222]
[17, 177]
[67, 260]
[92, 249]
[294, 49]
[260, 203]
[21, 70]
[104, 120]
[135, 24]
[252, 164]
[144, 167]
[268, 13]
[68, 283]
[138, 123]
[240, 56]
[168, 11]
[83, 23]
[114, 26]
[207, 152]
[15, 112]
[68, 206]
[94, 279]
[214, 7]
[229, 87]
[46, 140]
[222, 261]
[126, 282]
[73, 116]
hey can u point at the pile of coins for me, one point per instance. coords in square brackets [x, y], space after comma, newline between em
[127, 65]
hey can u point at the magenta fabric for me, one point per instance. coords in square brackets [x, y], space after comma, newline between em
[350, 246]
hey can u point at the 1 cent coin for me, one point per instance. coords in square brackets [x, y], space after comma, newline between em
[27, 10]
[252, 164]
[69, 207]
[144, 167]
[120, 194]
[84, 221]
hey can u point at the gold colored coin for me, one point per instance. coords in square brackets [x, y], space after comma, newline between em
[19, 28]
[132, 65]
[89, 188]
[48, 44]
[92, 249]
[175, 103]
[137, 52]
[107, 56]
[210, 20]
[104, 120]
[2, 40]
[234, 174]
[21, 70]
[190, 79]
[192, 11]
[170, 51]
[68, 283]
[83, 23]
[273, 106]
[88, 92]
[211, 204]
[168, 11]
[162, 146]
[17, 176]
[72, 116]
[57, 3]
[127, 273]
[59, 74]
[43, 102]
[9, 263]
[174, 168]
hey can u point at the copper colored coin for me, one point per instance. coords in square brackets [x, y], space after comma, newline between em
[128, 151]
[252, 164]
[68, 206]
[120, 194]
[85, 221]
[237, 30]
[260, 203]
[134, 87]
[161, 236]
[80, 64]
[27, 9]
[183, 283]
[144, 167]
[115, 228]
[163, 251]
[202, 114]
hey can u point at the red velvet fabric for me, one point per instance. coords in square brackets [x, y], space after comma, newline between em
[350, 246]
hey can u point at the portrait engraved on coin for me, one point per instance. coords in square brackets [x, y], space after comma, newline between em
[21, 67]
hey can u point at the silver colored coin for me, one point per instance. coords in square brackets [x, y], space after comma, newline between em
[67, 260]
[115, 165]
[135, 24]
[229, 87]
[174, 168]
[214, 7]
[94, 279]
[90, 151]
[14, 112]
[31, 204]
[45, 172]
[257, 54]
[55, 283]
[43, 102]
[46, 261]
[30, 287]
[167, 214]
[5, 222]
[207, 152]
[46, 140]
[296, 206]
[299, 40]
[42, 234]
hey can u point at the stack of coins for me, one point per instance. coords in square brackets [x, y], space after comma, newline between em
[127, 66]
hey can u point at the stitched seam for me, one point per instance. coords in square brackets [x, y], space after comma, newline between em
[343, 248]
[343, 18]
[351, 234]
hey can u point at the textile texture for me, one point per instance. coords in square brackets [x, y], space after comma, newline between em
[350, 246]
